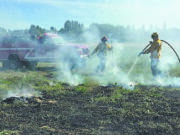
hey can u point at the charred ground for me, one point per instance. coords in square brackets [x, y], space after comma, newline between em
[87, 108]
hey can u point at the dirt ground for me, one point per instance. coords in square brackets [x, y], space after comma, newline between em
[150, 110]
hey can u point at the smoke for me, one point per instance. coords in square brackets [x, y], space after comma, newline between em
[92, 35]
[66, 75]
[123, 67]
[168, 62]
[21, 92]
[112, 75]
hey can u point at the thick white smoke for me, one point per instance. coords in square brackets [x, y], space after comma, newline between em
[123, 67]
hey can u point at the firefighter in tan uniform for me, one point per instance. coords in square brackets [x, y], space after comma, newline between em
[155, 50]
[101, 51]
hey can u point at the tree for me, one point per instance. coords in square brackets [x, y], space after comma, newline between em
[36, 31]
[53, 29]
[72, 27]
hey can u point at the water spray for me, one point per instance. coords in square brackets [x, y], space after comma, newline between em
[132, 67]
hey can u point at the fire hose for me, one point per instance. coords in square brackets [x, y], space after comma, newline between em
[168, 45]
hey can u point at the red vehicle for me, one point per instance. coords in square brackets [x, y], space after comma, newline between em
[16, 52]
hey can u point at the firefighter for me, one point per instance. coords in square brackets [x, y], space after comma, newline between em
[101, 51]
[155, 50]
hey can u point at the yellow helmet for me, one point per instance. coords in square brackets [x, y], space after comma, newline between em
[155, 34]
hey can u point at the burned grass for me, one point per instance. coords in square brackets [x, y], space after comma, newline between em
[65, 109]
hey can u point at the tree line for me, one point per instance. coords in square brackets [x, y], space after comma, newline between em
[75, 31]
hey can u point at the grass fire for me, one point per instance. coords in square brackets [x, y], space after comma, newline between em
[104, 74]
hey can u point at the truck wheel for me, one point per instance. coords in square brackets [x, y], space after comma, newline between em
[30, 64]
[14, 62]
[5, 64]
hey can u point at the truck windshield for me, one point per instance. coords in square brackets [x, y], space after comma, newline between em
[53, 40]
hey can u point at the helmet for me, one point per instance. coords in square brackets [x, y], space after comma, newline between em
[104, 39]
[155, 35]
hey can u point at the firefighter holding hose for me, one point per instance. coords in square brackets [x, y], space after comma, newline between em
[155, 50]
[101, 51]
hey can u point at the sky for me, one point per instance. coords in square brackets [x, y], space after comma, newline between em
[18, 14]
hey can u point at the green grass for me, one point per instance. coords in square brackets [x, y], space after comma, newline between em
[87, 86]
[117, 94]
[9, 132]
[47, 81]
[89, 82]
[13, 81]
[55, 89]
[175, 71]
[82, 89]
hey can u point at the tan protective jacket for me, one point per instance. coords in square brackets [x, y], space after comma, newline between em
[102, 48]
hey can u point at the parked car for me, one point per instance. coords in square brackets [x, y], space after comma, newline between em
[16, 52]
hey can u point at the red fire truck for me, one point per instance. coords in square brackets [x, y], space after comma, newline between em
[16, 52]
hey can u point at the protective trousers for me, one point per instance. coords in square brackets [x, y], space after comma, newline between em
[154, 67]
[102, 62]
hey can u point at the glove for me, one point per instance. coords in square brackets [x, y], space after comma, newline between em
[140, 53]
[150, 42]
